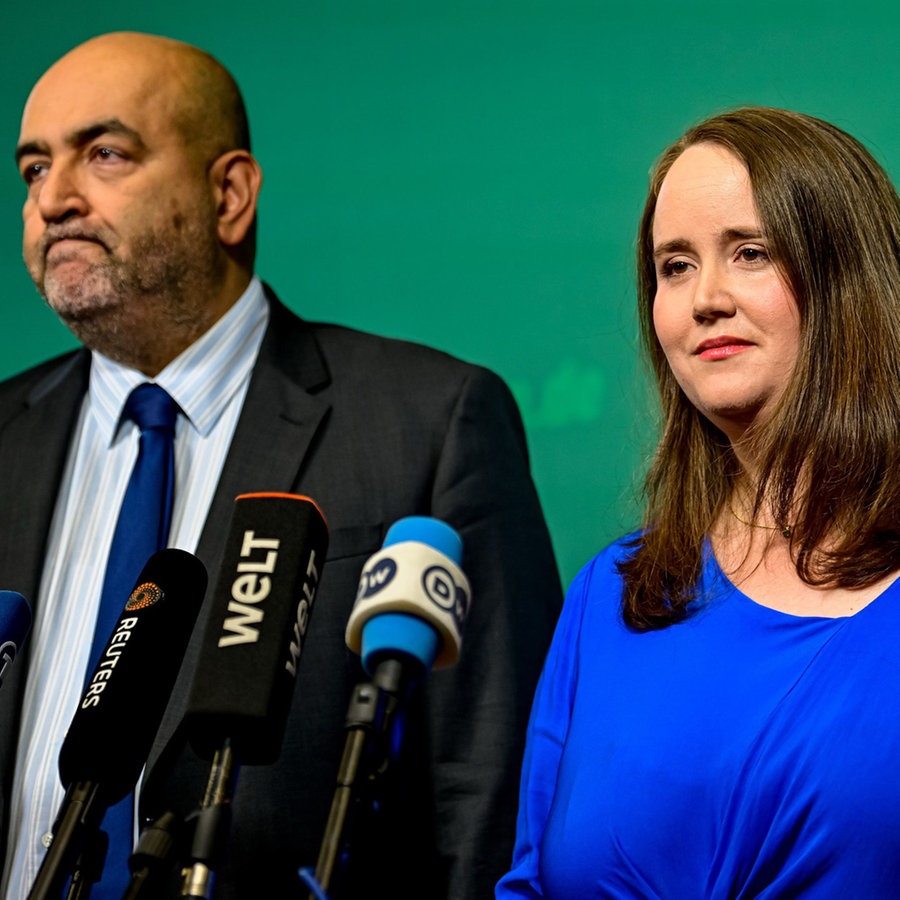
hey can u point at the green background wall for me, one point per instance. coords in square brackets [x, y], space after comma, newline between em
[470, 174]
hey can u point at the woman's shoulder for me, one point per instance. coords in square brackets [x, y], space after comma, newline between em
[606, 562]
[599, 579]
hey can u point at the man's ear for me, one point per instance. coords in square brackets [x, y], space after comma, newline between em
[236, 178]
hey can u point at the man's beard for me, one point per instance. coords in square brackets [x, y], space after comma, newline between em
[126, 308]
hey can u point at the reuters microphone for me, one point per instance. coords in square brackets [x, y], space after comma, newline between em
[112, 731]
[251, 647]
[15, 623]
[409, 616]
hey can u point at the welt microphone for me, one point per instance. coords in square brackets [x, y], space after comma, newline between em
[243, 684]
[111, 733]
[411, 606]
[15, 623]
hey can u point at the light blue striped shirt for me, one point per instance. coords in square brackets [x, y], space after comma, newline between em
[209, 382]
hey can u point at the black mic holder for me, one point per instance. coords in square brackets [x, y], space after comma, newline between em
[152, 859]
[211, 825]
[78, 850]
[374, 725]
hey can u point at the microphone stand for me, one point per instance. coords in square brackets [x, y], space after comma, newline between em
[369, 748]
[212, 823]
[152, 857]
[78, 848]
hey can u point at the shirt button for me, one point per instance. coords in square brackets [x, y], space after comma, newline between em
[47, 839]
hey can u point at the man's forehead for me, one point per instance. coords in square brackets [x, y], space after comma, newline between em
[105, 79]
[64, 110]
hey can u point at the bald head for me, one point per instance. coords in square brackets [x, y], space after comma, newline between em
[198, 94]
[141, 193]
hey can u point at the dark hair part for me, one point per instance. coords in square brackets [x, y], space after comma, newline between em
[829, 453]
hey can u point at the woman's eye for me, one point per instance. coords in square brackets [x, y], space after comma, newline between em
[674, 268]
[752, 254]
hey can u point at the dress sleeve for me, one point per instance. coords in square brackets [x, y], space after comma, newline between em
[547, 730]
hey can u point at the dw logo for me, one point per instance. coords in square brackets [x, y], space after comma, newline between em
[443, 592]
[375, 579]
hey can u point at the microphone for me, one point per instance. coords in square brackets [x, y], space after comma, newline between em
[111, 733]
[251, 648]
[15, 623]
[413, 598]
[409, 615]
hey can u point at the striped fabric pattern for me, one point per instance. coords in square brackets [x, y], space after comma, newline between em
[209, 382]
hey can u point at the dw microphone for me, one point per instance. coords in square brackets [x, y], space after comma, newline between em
[413, 598]
[411, 606]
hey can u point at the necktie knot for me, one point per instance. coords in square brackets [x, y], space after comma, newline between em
[150, 407]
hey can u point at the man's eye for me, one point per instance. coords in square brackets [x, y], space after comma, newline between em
[108, 154]
[34, 171]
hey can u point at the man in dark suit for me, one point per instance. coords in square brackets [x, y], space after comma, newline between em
[140, 221]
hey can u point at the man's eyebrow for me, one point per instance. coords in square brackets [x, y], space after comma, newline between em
[81, 136]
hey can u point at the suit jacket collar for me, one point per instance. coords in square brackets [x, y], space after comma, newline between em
[281, 415]
[278, 422]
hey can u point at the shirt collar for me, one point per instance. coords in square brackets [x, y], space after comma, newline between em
[202, 380]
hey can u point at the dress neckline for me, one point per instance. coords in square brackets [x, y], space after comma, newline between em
[712, 567]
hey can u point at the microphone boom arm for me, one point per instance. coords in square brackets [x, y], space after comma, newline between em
[369, 749]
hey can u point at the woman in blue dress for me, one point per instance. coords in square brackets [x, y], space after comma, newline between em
[719, 714]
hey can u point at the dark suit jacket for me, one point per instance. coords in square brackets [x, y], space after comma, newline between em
[373, 430]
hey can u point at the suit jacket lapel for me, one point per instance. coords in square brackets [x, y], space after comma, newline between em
[34, 445]
[279, 420]
[275, 431]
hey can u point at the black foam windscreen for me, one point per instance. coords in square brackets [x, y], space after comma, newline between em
[113, 728]
[251, 646]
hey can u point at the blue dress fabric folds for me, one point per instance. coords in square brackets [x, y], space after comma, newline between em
[741, 753]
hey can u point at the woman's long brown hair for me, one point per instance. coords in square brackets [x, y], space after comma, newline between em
[832, 220]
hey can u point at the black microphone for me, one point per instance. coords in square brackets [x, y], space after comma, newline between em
[15, 623]
[410, 609]
[251, 647]
[112, 731]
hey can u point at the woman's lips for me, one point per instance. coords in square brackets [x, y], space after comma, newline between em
[721, 347]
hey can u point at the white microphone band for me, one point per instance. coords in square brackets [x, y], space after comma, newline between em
[413, 578]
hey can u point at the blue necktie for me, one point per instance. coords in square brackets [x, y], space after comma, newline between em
[142, 529]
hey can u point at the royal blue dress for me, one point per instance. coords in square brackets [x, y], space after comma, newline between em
[742, 753]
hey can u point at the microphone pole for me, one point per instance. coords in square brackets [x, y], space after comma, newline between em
[242, 687]
[365, 765]
[410, 609]
[113, 728]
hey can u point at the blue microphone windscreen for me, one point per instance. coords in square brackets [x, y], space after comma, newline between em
[15, 617]
[425, 530]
